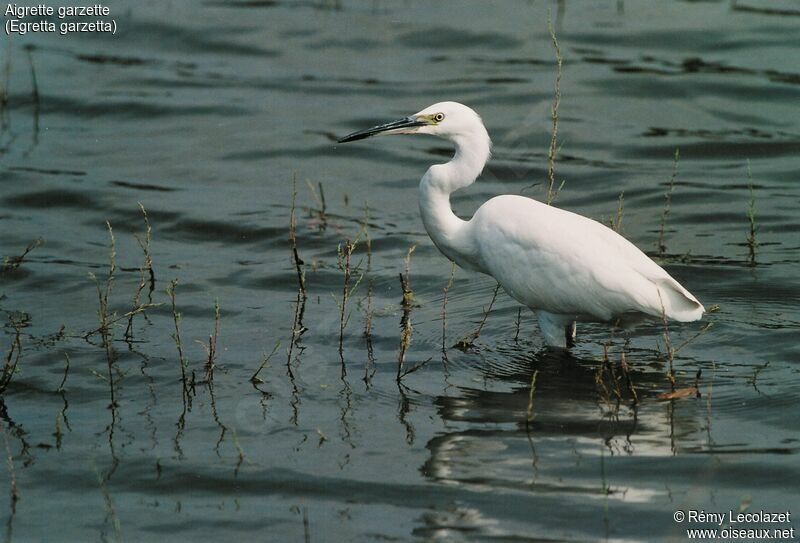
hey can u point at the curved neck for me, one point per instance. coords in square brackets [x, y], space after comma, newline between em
[443, 226]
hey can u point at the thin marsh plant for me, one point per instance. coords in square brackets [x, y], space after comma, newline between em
[321, 210]
[300, 301]
[298, 262]
[626, 372]
[13, 262]
[616, 223]
[529, 411]
[406, 329]
[468, 341]
[106, 318]
[407, 304]
[607, 380]
[12, 472]
[104, 291]
[369, 367]
[614, 379]
[529, 415]
[255, 379]
[552, 191]
[211, 347]
[146, 273]
[752, 243]
[446, 292]
[345, 254]
[670, 352]
[66, 373]
[11, 361]
[176, 335]
[661, 244]
[517, 324]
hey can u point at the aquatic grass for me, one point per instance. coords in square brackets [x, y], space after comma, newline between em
[468, 341]
[616, 375]
[699, 333]
[11, 362]
[406, 329]
[66, 373]
[145, 270]
[211, 348]
[616, 223]
[104, 292]
[298, 262]
[107, 319]
[239, 451]
[446, 292]
[529, 415]
[12, 475]
[344, 254]
[670, 352]
[186, 398]
[58, 433]
[106, 323]
[752, 243]
[529, 410]
[407, 304]
[13, 262]
[255, 379]
[754, 379]
[517, 324]
[626, 372]
[368, 337]
[606, 374]
[321, 210]
[344, 258]
[661, 244]
[298, 329]
[111, 511]
[369, 311]
[176, 335]
[552, 191]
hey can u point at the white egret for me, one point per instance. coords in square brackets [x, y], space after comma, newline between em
[563, 266]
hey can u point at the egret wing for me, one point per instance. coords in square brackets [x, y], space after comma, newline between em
[561, 262]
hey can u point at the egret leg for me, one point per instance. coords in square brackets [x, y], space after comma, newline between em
[570, 331]
[554, 328]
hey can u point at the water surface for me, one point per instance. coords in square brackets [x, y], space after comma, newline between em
[206, 113]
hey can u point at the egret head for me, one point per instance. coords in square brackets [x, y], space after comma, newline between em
[445, 119]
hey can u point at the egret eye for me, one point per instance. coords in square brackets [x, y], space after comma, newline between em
[439, 117]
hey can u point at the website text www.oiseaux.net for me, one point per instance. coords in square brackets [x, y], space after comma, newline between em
[733, 525]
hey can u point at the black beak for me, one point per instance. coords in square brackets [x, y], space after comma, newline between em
[407, 122]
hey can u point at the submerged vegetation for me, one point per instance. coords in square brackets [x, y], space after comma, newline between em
[661, 244]
[552, 190]
[752, 243]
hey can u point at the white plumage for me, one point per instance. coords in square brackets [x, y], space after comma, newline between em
[563, 266]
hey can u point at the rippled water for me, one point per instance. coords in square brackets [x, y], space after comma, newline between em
[206, 112]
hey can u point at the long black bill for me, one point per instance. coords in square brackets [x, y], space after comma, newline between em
[407, 122]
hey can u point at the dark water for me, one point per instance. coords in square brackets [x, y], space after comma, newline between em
[205, 112]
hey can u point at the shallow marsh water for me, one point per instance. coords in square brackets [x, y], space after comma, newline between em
[206, 112]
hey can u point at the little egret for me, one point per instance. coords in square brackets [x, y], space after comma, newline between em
[563, 266]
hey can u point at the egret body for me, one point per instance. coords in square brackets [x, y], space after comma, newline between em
[563, 266]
